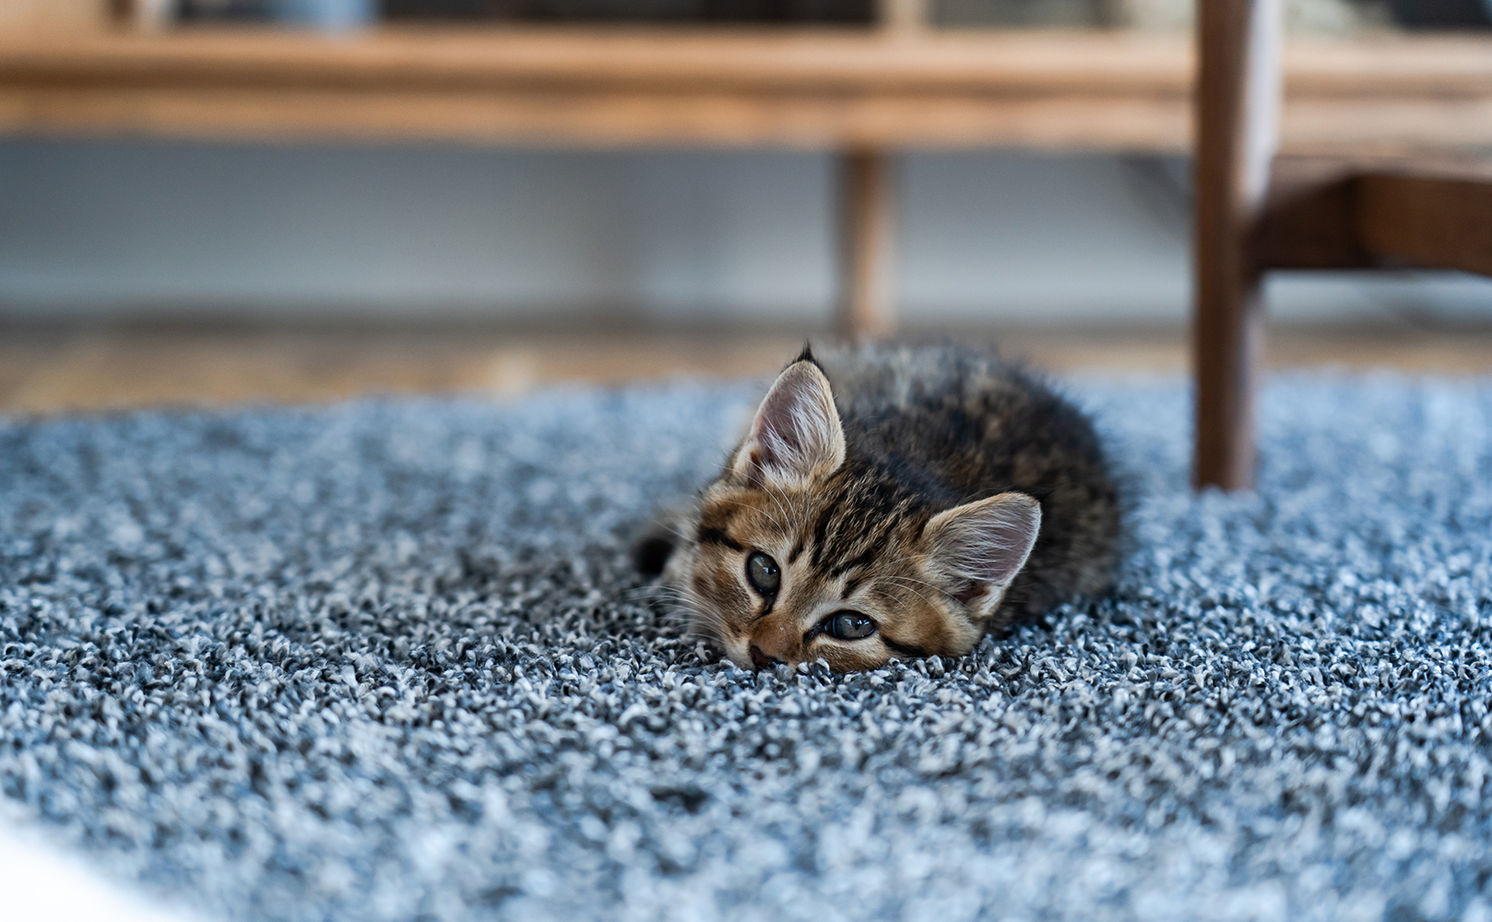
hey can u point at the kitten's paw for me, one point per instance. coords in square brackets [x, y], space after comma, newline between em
[650, 552]
[655, 545]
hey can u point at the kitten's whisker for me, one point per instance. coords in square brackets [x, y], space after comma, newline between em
[664, 598]
[672, 529]
[652, 589]
[675, 531]
[699, 620]
[764, 512]
[913, 579]
[801, 507]
[910, 588]
[682, 605]
[913, 585]
[777, 497]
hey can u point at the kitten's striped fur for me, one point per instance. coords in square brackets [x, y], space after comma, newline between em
[937, 492]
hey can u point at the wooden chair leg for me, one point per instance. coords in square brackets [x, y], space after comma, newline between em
[1237, 108]
[867, 213]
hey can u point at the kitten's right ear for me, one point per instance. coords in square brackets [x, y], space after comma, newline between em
[796, 432]
[974, 551]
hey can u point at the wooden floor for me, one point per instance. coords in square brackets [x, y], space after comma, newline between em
[50, 369]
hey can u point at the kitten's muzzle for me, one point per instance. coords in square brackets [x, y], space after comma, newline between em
[775, 641]
[761, 660]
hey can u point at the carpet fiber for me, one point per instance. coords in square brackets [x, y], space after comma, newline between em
[385, 661]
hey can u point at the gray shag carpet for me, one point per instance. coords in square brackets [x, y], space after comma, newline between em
[386, 661]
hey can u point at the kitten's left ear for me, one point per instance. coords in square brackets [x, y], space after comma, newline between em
[796, 432]
[974, 551]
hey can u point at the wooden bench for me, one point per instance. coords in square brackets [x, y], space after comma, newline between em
[863, 94]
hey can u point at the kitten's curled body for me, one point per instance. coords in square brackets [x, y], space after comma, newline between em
[893, 502]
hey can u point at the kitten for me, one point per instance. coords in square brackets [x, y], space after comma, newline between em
[891, 502]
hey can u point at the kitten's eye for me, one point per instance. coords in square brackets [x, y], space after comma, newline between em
[849, 625]
[762, 573]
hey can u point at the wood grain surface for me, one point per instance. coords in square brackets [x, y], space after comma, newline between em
[641, 86]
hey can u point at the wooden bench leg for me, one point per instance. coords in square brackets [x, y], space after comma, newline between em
[1237, 109]
[867, 213]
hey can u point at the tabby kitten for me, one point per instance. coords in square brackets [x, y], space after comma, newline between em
[891, 502]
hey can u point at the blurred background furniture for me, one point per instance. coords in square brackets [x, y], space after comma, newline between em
[222, 200]
[1255, 212]
[868, 92]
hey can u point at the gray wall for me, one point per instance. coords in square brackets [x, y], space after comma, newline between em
[98, 229]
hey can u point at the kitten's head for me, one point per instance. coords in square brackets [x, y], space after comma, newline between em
[800, 552]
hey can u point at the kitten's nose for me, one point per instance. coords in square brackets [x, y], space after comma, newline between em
[761, 660]
[774, 643]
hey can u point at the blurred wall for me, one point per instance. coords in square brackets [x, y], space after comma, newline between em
[122, 228]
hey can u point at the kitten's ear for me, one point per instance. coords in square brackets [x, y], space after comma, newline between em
[796, 432]
[975, 550]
